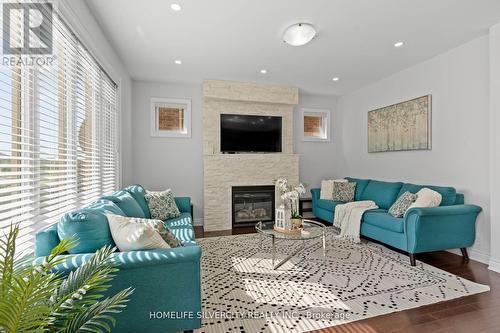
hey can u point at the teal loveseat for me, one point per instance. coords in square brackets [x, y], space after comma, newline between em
[167, 296]
[452, 225]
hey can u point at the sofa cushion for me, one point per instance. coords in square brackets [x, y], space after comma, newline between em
[127, 203]
[360, 186]
[181, 221]
[344, 191]
[182, 227]
[383, 193]
[329, 205]
[89, 226]
[138, 192]
[382, 219]
[449, 194]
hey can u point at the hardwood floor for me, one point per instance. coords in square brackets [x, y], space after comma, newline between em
[475, 314]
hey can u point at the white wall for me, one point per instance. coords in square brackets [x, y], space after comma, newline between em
[175, 163]
[318, 160]
[178, 163]
[458, 82]
[83, 23]
[495, 146]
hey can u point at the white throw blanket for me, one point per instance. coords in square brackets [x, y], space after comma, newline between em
[348, 218]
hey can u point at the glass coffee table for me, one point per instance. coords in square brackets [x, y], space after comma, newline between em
[312, 230]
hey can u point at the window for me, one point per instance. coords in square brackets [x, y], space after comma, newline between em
[315, 125]
[171, 117]
[58, 136]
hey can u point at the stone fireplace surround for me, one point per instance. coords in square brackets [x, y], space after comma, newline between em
[223, 171]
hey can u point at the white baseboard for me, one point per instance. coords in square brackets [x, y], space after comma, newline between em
[494, 265]
[198, 222]
[479, 256]
[474, 255]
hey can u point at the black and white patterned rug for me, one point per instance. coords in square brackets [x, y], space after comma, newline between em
[242, 293]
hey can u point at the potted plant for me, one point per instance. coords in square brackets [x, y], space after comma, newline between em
[290, 197]
[35, 299]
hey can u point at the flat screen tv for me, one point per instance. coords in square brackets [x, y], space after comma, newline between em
[250, 134]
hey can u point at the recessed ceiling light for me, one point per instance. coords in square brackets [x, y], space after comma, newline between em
[299, 34]
[335, 79]
[263, 71]
[175, 7]
[178, 62]
[399, 44]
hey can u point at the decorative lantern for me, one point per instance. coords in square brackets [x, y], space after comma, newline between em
[280, 217]
[283, 218]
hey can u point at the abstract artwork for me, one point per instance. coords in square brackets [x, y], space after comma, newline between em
[402, 126]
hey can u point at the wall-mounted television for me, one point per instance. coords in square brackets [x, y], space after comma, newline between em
[250, 134]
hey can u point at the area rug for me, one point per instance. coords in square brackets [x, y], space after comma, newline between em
[242, 293]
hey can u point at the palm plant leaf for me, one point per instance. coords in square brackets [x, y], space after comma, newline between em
[24, 306]
[88, 278]
[98, 318]
[33, 298]
[7, 252]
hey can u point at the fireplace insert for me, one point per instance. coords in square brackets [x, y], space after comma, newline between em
[251, 204]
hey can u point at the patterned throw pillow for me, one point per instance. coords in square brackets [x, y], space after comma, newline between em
[166, 234]
[401, 205]
[326, 191]
[162, 205]
[343, 191]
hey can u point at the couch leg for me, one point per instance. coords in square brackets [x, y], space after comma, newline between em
[188, 331]
[412, 259]
[464, 253]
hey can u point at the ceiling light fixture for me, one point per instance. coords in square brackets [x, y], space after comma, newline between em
[335, 79]
[299, 34]
[175, 7]
[178, 62]
[399, 44]
[263, 71]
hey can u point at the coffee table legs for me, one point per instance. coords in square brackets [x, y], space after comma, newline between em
[324, 245]
[273, 241]
[300, 249]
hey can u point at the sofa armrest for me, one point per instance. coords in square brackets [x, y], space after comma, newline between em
[440, 228]
[132, 259]
[184, 204]
[445, 210]
[164, 281]
[315, 192]
[45, 240]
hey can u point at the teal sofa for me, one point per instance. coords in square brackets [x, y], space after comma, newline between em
[452, 225]
[166, 281]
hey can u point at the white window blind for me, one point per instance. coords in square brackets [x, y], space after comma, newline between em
[58, 135]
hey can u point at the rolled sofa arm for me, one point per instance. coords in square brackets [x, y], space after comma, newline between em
[440, 228]
[315, 192]
[445, 210]
[132, 259]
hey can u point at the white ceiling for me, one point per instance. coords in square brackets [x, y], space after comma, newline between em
[235, 39]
